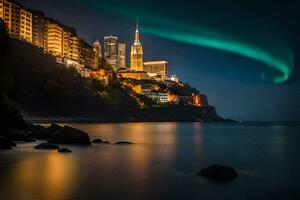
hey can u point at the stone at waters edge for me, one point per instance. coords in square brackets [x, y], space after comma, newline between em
[123, 142]
[46, 146]
[97, 141]
[69, 135]
[218, 173]
[46, 133]
[64, 150]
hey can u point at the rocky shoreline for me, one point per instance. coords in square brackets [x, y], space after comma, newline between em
[55, 135]
[51, 137]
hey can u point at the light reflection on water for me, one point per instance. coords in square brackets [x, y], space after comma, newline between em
[47, 176]
[160, 165]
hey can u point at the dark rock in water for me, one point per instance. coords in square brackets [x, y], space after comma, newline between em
[123, 142]
[46, 133]
[32, 127]
[64, 150]
[5, 143]
[68, 135]
[106, 142]
[46, 146]
[98, 141]
[218, 173]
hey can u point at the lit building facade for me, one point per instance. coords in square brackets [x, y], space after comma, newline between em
[136, 53]
[71, 44]
[157, 68]
[55, 34]
[121, 55]
[111, 50]
[39, 29]
[26, 25]
[1, 9]
[98, 54]
[138, 75]
[75, 48]
[87, 54]
[10, 13]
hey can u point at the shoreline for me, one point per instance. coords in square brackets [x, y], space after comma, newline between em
[97, 120]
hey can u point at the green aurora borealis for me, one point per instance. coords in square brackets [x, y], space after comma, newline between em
[195, 34]
[256, 53]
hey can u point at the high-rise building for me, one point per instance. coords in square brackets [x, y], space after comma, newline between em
[157, 68]
[98, 54]
[121, 55]
[136, 54]
[62, 41]
[55, 34]
[26, 25]
[39, 29]
[10, 13]
[74, 48]
[1, 9]
[87, 54]
[111, 50]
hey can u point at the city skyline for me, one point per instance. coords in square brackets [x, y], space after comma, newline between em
[230, 98]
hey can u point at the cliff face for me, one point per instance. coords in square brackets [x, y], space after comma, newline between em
[181, 114]
[44, 88]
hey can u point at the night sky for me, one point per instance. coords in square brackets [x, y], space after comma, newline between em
[243, 54]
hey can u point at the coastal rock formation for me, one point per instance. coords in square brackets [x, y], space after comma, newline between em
[68, 135]
[97, 141]
[46, 133]
[219, 173]
[64, 150]
[124, 142]
[46, 146]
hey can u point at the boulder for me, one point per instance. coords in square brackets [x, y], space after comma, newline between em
[97, 141]
[123, 142]
[46, 146]
[68, 135]
[5, 143]
[33, 127]
[219, 173]
[46, 133]
[64, 150]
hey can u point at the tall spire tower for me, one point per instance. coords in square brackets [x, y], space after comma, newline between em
[136, 54]
[137, 34]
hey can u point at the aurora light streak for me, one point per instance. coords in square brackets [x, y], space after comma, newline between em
[256, 53]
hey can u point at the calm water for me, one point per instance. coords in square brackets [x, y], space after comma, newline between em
[161, 165]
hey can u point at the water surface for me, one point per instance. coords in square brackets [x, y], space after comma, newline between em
[160, 165]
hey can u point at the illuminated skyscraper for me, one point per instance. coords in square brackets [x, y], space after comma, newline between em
[136, 54]
[98, 55]
[111, 50]
[10, 13]
[26, 25]
[39, 29]
[121, 55]
[87, 54]
[55, 33]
